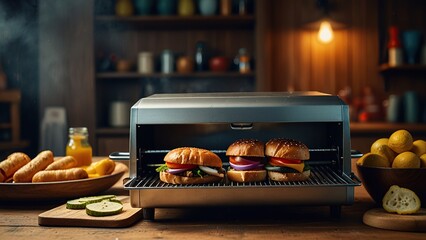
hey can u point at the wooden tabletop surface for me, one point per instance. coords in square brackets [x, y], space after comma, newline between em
[20, 221]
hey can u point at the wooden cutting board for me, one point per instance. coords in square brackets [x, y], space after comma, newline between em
[379, 218]
[61, 216]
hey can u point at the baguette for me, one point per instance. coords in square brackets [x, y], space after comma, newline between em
[60, 175]
[12, 163]
[2, 177]
[40, 162]
[63, 163]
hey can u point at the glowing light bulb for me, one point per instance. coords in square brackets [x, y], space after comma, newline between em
[325, 33]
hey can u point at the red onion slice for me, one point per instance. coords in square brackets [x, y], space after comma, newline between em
[245, 167]
[177, 170]
[248, 161]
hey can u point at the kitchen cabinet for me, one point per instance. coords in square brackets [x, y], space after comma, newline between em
[123, 38]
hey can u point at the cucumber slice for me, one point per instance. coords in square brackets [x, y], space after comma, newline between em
[95, 198]
[104, 208]
[81, 203]
[115, 200]
[75, 204]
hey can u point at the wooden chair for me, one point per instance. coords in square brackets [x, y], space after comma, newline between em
[14, 142]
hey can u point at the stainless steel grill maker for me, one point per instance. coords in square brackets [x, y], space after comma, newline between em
[213, 121]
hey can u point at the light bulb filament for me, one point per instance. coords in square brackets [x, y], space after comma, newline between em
[325, 33]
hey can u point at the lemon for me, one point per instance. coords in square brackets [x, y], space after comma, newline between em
[401, 200]
[386, 152]
[423, 161]
[373, 160]
[406, 160]
[378, 143]
[400, 141]
[419, 147]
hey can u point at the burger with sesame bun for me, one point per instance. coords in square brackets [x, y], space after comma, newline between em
[287, 160]
[190, 165]
[246, 157]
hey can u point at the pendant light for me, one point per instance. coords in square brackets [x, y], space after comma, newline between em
[325, 25]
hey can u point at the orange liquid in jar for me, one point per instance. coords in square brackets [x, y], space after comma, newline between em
[79, 148]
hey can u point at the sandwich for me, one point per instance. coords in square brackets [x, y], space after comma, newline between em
[287, 160]
[189, 165]
[246, 157]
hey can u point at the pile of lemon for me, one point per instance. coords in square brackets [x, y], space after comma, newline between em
[397, 151]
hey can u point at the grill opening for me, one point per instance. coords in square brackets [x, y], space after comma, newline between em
[323, 173]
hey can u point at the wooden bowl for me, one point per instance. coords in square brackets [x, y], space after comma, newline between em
[377, 181]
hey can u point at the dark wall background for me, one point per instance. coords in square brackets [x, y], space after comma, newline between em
[19, 58]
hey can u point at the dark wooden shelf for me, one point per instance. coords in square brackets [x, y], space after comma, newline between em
[13, 145]
[385, 68]
[121, 75]
[380, 127]
[112, 131]
[173, 22]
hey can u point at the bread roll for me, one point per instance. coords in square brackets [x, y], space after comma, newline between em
[60, 175]
[246, 176]
[191, 155]
[63, 163]
[40, 162]
[13, 163]
[289, 177]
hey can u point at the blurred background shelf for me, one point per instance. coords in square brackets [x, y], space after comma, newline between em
[106, 75]
[173, 22]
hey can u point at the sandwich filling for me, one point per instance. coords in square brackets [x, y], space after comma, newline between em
[285, 165]
[246, 163]
[190, 170]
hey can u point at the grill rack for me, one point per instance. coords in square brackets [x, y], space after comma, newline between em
[321, 175]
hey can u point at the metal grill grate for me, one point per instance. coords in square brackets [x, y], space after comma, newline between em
[321, 175]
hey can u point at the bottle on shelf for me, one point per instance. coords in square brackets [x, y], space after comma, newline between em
[394, 47]
[201, 57]
[167, 61]
[243, 61]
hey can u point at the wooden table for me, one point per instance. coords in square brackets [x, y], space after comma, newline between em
[20, 221]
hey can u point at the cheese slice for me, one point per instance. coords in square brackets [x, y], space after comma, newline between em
[298, 166]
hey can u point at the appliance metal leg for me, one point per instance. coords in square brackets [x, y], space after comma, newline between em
[335, 211]
[148, 214]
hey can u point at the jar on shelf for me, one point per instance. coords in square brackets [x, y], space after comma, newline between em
[186, 8]
[78, 146]
[124, 8]
[225, 7]
[242, 7]
[145, 62]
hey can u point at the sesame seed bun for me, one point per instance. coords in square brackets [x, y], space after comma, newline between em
[286, 148]
[247, 148]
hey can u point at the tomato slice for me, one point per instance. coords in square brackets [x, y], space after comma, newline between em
[244, 160]
[177, 165]
[282, 161]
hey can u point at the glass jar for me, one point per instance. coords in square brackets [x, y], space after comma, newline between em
[79, 147]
